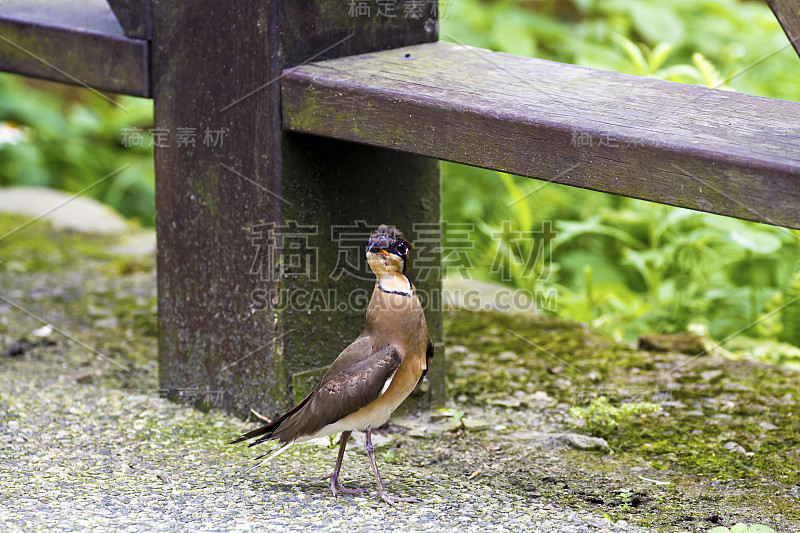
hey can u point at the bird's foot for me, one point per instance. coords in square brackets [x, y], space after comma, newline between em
[337, 487]
[391, 500]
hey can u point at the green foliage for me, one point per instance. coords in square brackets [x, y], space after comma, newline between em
[455, 415]
[71, 139]
[602, 418]
[710, 42]
[790, 327]
[742, 528]
[626, 266]
[630, 267]
[391, 457]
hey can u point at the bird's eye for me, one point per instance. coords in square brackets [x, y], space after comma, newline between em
[401, 248]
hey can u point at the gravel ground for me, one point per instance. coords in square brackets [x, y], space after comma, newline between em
[80, 449]
[87, 444]
[82, 457]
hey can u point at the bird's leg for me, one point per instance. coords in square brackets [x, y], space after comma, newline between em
[385, 496]
[336, 487]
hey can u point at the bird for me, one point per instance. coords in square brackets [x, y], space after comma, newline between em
[373, 375]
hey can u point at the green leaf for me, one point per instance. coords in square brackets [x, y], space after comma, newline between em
[513, 36]
[601, 57]
[659, 55]
[719, 529]
[710, 74]
[632, 51]
[760, 528]
[569, 229]
[760, 242]
[739, 528]
[455, 414]
[680, 74]
[657, 23]
[523, 216]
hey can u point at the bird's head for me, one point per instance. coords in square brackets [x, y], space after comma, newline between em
[388, 251]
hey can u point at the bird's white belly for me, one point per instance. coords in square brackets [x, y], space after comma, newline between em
[354, 421]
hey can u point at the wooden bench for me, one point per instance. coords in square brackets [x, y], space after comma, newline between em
[329, 123]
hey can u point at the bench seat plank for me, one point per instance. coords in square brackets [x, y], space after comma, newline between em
[73, 42]
[683, 145]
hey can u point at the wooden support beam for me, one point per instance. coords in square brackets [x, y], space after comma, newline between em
[80, 43]
[682, 145]
[238, 326]
[133, 16]
[788, 14]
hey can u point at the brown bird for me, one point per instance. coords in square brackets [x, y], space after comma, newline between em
[373, 375]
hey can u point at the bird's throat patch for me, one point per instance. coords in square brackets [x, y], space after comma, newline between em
[395, 284]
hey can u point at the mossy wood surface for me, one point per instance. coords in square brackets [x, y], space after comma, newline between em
[80, 43]
[133, 16]
[682, 145]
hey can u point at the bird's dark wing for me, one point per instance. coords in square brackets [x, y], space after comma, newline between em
[428, 359]
[354, 380]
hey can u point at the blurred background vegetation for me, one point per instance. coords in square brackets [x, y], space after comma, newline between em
[69, 138]
[624, 266]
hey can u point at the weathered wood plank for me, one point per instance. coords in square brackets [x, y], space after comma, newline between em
[676, 144]
[788, 14]
[80, 43]
[133, 16]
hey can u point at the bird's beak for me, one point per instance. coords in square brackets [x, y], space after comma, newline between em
[372, 250]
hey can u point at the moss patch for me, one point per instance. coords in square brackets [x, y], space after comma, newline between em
[726, 440]
[32, 247]
[102, 306]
